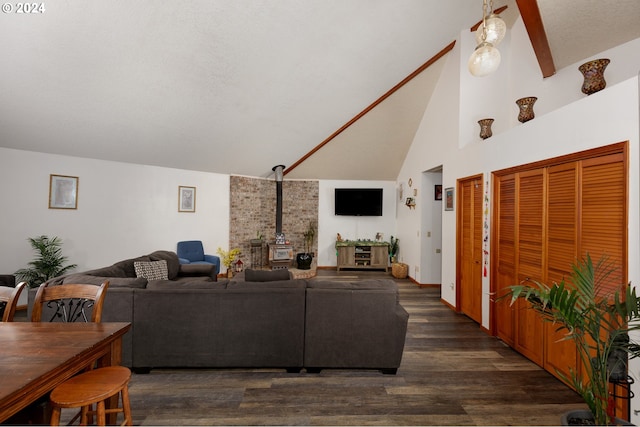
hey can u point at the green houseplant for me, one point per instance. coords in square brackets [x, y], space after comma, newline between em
[49, 262]
[257, 241]
[597, 321]
[394, 248]
[304, 259]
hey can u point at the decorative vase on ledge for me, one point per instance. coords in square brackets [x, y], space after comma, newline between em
[526, 108]
[485, 128]
[593, 72]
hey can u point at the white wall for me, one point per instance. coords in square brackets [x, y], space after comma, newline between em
[436, 140]
[566, 121]
[430, 270]
[352, 227]
[124, 210]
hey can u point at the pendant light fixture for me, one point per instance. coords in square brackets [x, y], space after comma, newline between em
[486, 58]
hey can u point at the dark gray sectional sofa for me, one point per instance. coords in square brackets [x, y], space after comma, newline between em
[255, 320]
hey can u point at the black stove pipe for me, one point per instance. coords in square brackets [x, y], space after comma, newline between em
[279, 176]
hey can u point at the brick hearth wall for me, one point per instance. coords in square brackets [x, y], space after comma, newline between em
[253, 209]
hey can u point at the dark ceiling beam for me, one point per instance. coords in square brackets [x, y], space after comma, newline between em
[374, 105]
[533, 22]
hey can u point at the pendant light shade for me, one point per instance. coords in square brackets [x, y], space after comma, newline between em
[484, 60]
[495, 30]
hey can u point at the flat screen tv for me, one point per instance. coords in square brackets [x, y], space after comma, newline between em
[358, 201]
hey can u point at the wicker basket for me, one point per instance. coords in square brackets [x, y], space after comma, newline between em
[399, 270]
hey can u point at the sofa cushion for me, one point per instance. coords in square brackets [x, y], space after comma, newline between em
[173, 263]
[198, 270]
[115, 270]
[251, 275]
[386, 284]
[152, 270]
[186, 284]
[126, 266]
[114, 282]
[8, 280]
[274, 284]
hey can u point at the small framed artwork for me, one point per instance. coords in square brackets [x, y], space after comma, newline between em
[437, 192]
[410, 202]
[63, 192]
[186, 199]
[448, 199]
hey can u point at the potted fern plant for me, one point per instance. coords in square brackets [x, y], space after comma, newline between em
[49, 262]
[599, 322]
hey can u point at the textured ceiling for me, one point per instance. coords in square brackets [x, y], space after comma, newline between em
[579, 29]
[238, 86]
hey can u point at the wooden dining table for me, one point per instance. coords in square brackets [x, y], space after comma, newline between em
[35, 357]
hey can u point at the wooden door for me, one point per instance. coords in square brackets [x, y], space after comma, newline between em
[470, 193]
[530, 214]
[505, 272]
[562, 250]
[561, 209]
[603, 213]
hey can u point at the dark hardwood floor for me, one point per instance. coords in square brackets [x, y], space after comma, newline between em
[452, 373]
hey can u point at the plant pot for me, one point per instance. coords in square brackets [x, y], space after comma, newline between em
[584, 417]
[304, 260]
[229, 273]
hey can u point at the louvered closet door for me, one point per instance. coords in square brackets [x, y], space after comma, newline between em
[562, 237]
[530, 210]
[604, 213]
[505, 274]
[564, 209]
[604, 224]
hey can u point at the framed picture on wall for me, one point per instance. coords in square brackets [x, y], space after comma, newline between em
[448, 199]
[437, 192]
[63, 192]
[186, 199]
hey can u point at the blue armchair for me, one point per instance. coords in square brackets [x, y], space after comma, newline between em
[192, 252]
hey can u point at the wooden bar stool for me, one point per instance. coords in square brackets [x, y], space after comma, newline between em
[93, 387]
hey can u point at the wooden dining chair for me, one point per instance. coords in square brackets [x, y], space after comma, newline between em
[9, 299]
[69, 302]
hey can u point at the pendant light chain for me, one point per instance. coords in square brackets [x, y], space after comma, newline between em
[484, 19]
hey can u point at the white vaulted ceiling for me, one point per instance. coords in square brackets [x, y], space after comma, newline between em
[238, 86]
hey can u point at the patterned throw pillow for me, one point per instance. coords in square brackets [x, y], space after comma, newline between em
[152, 270]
